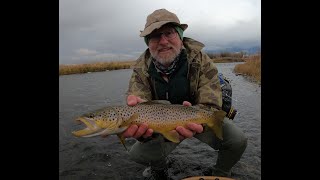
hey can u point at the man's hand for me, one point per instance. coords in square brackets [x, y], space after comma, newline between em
[136, 131]
[186, 103]
[133, 100]
[191, 129]
[143, 130]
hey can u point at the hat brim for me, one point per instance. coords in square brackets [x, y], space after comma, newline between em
[158, 25]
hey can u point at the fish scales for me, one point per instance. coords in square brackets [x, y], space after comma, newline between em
[158, 114]
[162, 118]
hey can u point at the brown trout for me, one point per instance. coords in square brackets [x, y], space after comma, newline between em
[161, 117]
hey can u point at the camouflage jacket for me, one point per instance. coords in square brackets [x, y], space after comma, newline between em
[202, 73]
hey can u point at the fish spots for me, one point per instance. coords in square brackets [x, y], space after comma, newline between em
[158, 116]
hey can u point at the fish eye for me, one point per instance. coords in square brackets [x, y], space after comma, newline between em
[91, 115]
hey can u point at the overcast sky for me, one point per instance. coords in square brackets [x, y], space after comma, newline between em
[108, 30]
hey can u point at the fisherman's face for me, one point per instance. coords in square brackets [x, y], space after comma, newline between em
[165, 45]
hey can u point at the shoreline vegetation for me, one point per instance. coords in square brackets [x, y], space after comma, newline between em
[94, 67]
[251, 66]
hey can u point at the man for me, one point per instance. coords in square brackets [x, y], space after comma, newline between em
[174, 68]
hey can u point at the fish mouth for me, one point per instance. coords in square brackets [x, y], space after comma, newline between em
[91, 128]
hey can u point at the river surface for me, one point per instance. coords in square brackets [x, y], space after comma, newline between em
[105, 158]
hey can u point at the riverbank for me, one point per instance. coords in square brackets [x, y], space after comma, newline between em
[104, 66]
[94, 67]
[251, 68]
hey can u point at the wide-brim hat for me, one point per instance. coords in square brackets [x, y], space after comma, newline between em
[159, 18]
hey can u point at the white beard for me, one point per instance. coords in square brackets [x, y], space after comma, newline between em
[167, 59]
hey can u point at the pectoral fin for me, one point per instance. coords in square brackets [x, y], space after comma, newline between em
[130, 120]
[122, 140]
[124, 126]
[171, 136]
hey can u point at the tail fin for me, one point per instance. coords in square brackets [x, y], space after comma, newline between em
[216, 123]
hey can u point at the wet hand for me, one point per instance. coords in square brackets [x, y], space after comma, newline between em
[136, 131]
[189, 131]
[132, 100]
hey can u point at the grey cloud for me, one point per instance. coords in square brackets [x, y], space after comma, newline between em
[111, 28]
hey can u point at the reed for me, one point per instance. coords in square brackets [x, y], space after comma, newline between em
[94, 67]
[227, 59]
[251, 67]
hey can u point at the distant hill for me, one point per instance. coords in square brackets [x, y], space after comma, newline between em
[250, 50]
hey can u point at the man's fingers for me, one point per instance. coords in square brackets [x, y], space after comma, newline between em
[184, 132]
[133, 100]
[186, 103]
[195, 127]
[130, 131]
[139, 100]
[148, 133]
[190, 131]
[141, 130]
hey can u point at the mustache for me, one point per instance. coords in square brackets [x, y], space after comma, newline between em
[163, 47]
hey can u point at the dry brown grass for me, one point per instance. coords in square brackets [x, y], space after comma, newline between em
[94, 67]
[227, 59]
[226, 54]
[251, 67]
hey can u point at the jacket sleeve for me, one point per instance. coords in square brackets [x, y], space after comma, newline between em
[209, 90]
[139, 85]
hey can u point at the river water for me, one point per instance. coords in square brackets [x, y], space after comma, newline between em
[105, 158]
